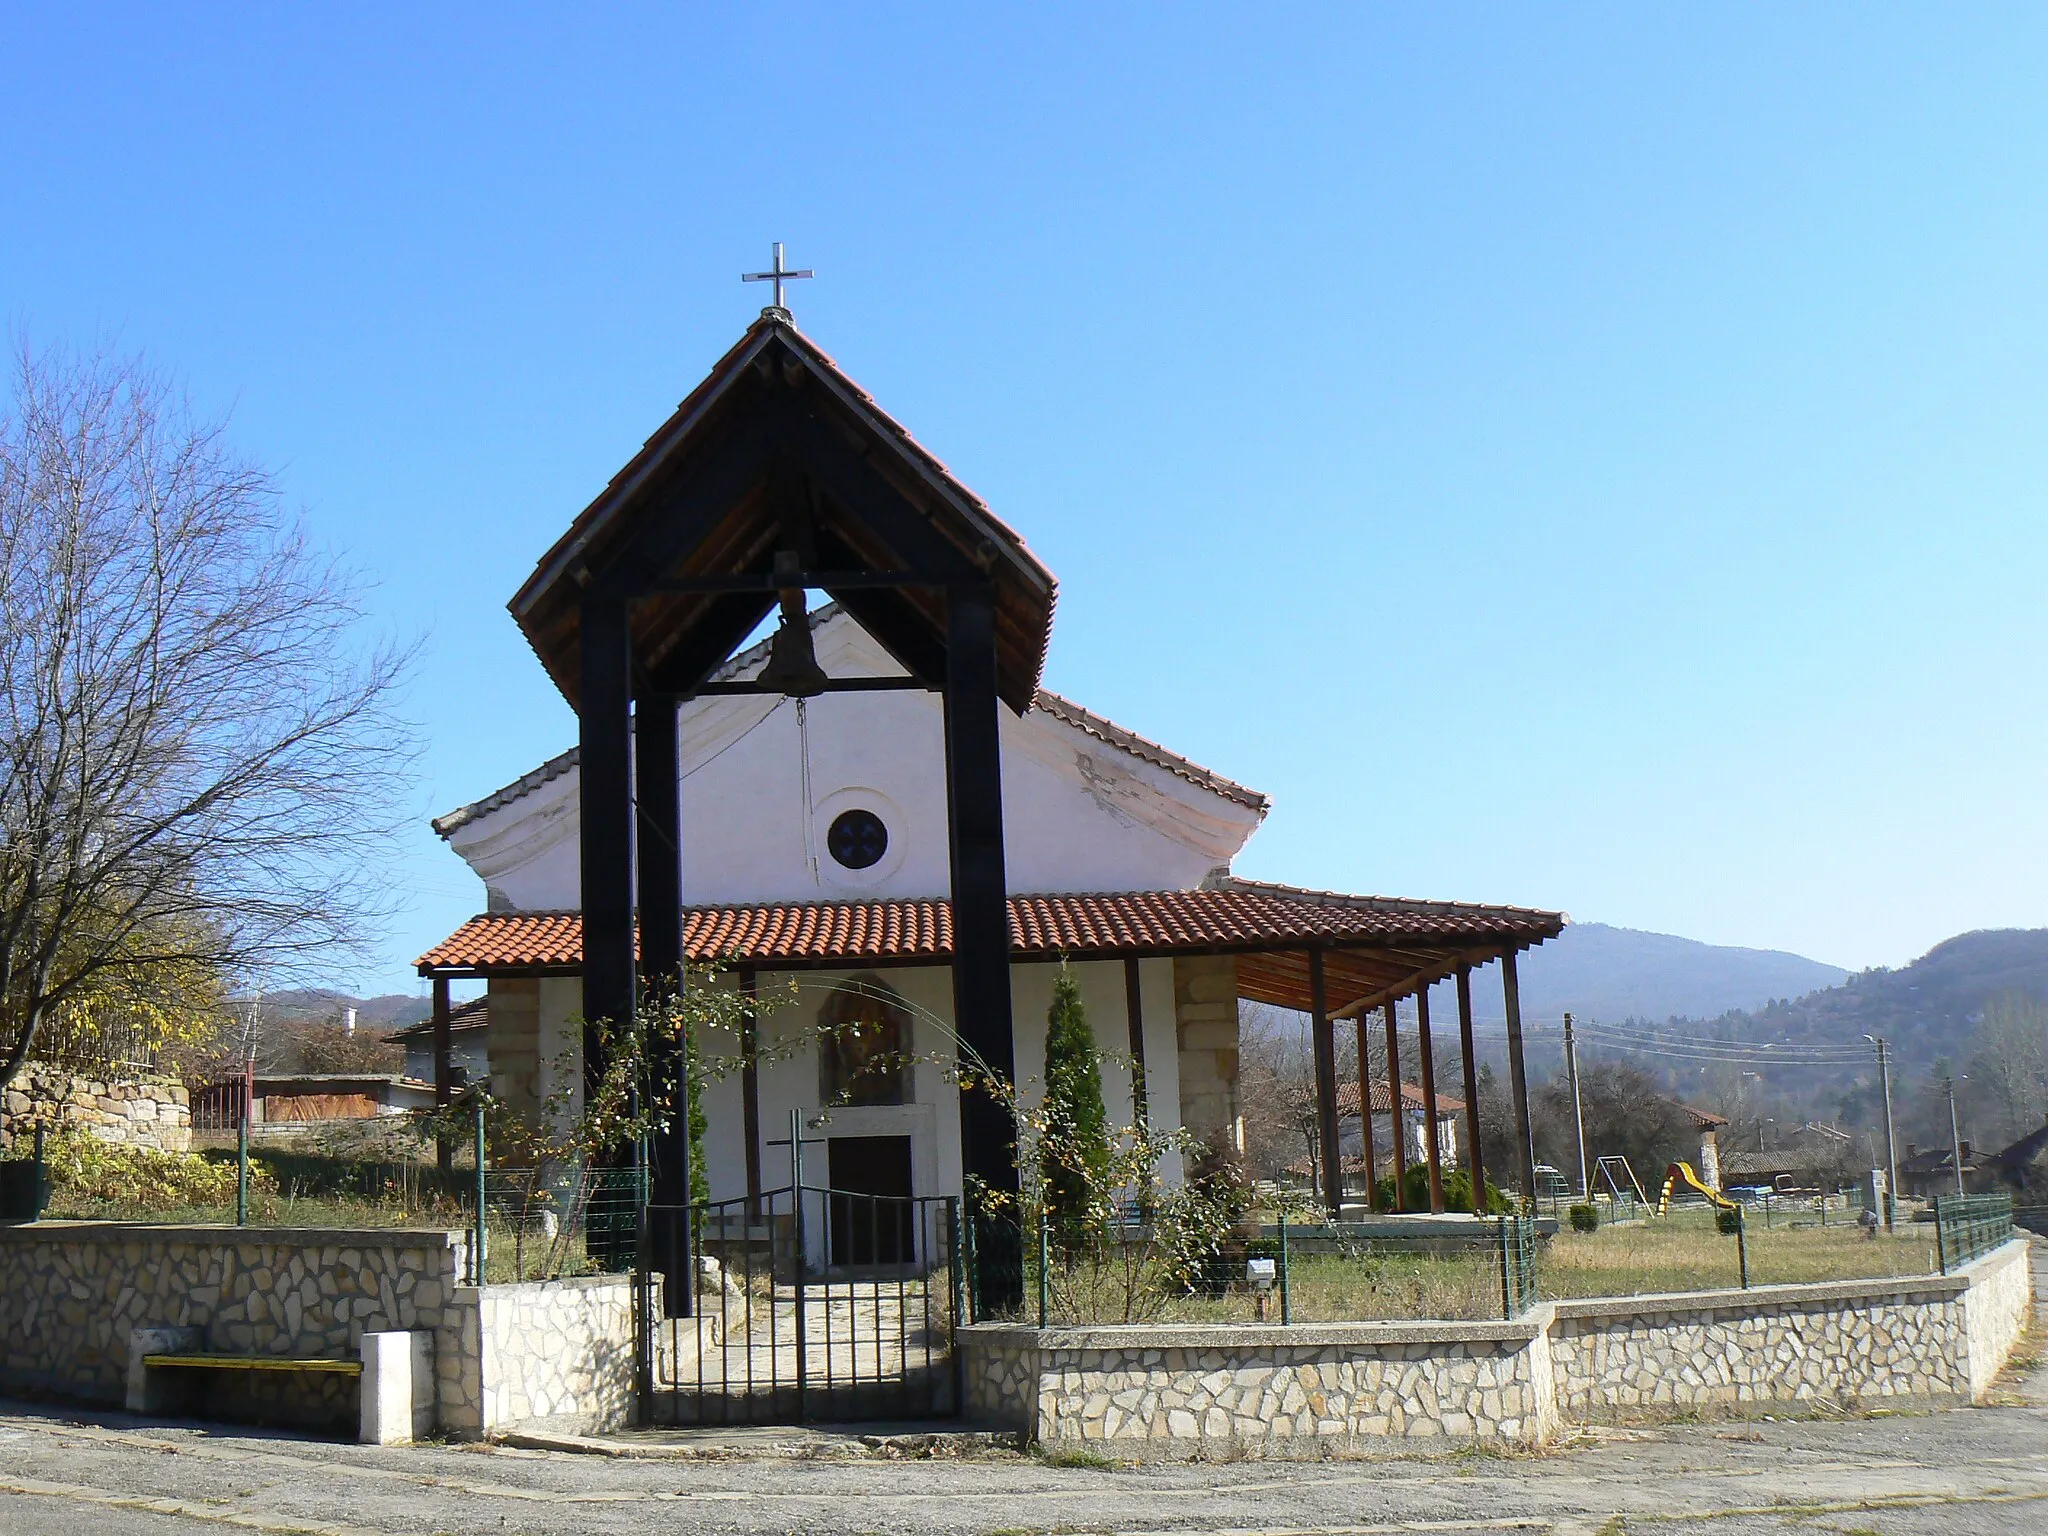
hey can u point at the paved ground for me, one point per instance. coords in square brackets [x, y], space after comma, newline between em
[1968, 1472]
[1965, 1473]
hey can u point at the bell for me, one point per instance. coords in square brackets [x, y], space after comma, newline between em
[792, 667]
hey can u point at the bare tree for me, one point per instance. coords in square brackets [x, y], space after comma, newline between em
[1628, 1114]
[200, 763]
[1276, 1084]
[2009, 1066]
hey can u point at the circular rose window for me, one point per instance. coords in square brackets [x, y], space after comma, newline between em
[857, 839]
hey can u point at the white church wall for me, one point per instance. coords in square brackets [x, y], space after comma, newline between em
[763, 780]
[788, 1078]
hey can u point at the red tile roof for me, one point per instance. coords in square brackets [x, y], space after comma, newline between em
[1411, 1098]
[1237, 916]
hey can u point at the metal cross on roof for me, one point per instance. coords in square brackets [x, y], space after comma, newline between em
[778, 275]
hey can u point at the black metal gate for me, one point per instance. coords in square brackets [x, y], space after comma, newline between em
[817, 1305]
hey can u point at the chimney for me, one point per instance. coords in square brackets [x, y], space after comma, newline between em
[1912, 1151]
[348, 1021]
[1966, 1154]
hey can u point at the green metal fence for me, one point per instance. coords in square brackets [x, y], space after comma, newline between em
[1968, 1226]
[1517, 1235]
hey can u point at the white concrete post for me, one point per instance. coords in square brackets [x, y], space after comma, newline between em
[145, 1395]
[398, 1388]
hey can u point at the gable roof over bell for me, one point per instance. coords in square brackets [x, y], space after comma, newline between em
[778, 450]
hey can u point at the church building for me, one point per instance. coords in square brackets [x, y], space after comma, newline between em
[804, 812]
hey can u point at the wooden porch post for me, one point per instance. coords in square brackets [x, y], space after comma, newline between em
[981, 916]
[1475, 1164]
[658, 839]
[1134, 1016]
[1365, 1112]
[605, 771]
[1394, 1103]
[1436, 1155]
[444, 1068]
[750, 1090]
[1323, 1038]
[1525, 1149]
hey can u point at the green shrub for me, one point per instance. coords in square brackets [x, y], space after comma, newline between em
[1073, 1150]
[84, 1169]
[1585, 1218]
[1728, 1221]
[1457, 1192]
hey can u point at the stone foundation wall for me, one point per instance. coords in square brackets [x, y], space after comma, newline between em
[553, 1351]
[1996, 1310]
[134, 1111]
[1685, 1353]
[1255, 1391]
[1271, 1391]
[71, 1292]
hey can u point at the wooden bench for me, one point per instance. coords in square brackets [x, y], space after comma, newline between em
[253, 1363]
[396, 1372]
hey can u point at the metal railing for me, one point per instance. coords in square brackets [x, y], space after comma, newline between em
[1967, 1227]
[801, 1304]
[1289, 1270]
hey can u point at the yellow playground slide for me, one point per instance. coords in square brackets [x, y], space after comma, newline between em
[1683, 1170]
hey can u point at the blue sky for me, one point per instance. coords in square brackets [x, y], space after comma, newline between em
[1589, 458]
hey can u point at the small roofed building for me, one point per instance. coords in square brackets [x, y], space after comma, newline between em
[880, 812]
[1413, 1123]
[469, 1030]
[1925, 1172]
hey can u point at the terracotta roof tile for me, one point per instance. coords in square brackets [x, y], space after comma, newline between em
[1233, 915]
[1411, 1098]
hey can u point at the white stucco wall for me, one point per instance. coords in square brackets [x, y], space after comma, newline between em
[1078, 814]
[789, 1078]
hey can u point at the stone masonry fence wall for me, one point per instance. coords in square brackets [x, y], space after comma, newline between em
[72, 1292]
[1264, 1391]
[139, 1111]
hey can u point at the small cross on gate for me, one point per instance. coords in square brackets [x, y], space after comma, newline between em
[777, 274]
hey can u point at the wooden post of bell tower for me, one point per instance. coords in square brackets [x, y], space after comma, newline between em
[981, 919]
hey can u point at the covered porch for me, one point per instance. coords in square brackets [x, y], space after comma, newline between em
[1165, 972]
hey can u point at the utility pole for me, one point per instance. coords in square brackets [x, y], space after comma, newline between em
[1955, 1136]
[1891, 1146]
[1571, 1065]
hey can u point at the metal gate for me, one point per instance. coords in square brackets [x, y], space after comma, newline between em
[816, 1305]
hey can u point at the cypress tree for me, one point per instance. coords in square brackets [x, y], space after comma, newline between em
[1074, 1152]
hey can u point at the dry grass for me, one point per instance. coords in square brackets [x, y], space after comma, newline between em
[1684, 1252]
[1679, 1252]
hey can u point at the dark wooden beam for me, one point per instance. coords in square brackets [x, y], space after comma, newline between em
[1400, 1112]
[658, 838]
[981, 917]
[684, 516]
[444, 1068]
[1435, 1153]
[871, 501]
[1134, 1019]
[750, 1088]
[1323, 1040]
[1365, 1114]
[1475, 1163]
[605, 764]
[832, 685]
[902, 631]
[719, 631]
[1525, 1148]
[774, 581]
